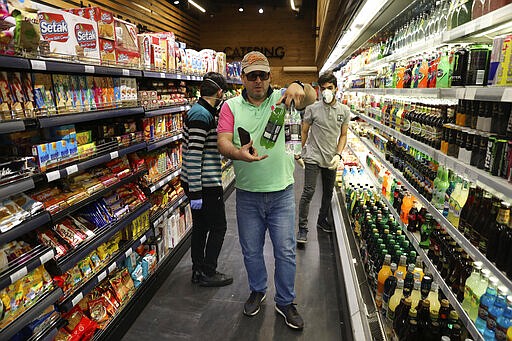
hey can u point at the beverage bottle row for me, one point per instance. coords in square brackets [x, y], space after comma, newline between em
[399, 287]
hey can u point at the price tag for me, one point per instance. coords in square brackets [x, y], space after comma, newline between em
[460, 93]
[38, 65]
[178, 76]
[77, 299]
[470, 93]
[102, 276]
[472, 175]
[143, 239]
[112, 267]
[114, 155]
[126, 72]
[507, 95]
[161, 183]
[152, 189]
[182, 108]
[46, 257]
[89, 69]
[188, 78]
[71, 169]
[128, 253]
[52, 176]
[18, 274]
[162, 75]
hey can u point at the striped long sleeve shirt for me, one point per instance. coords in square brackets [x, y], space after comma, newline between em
[201, 160]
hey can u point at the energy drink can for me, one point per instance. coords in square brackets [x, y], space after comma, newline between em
[498, 156]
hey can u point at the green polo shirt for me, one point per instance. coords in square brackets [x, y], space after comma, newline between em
[274, 173]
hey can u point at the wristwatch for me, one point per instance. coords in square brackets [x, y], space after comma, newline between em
[300, 83]
[341, 157]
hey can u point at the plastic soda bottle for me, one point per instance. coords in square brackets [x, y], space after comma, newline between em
[273, 127]
[292, 131]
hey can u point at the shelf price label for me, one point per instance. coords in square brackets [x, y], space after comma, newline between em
[507, 95]
[114, 155]
[102, 276]
[128, 253]
[89, 69]
[18, 274]
[470, 93]
[178, 76]
[77, 299]
[112, 267]
[126, 72]
[46, 257]
[52, 176]
[143, 239]
[71, 169]
[38, 65]
[162, 75]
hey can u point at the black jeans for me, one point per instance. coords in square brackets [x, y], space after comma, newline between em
[310, 174]
[208, 230]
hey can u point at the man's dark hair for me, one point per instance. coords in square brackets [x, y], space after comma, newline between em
[327, 78]
[211, 83]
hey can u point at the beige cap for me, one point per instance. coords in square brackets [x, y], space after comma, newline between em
[255, 61]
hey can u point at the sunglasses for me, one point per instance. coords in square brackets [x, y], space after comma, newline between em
[252, 76]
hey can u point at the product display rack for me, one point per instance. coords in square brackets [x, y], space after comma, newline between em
[162, 214]
[115, 262]
[414, 239]
[81, 251]
[464, 33]
[48, 334]
[166, 110]
[163, 181]
[127, 314]
[497, 185]
[26, 226]
[471, 250]
[31, 313]
[163, 142]
[57, 120]
[20, 267]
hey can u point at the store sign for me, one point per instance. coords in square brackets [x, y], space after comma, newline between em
[239, 52]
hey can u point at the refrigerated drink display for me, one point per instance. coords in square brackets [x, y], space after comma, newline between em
[495, 311]
[486, 301]
[504, 321]
[495, 229]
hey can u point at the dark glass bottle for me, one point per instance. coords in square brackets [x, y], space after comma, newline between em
[495, 230]
[504, 247]
[486, 223]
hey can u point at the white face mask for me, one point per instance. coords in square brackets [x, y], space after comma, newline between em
[327, 96]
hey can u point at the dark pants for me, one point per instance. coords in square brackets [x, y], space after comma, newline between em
[208, 230]
[310, 175]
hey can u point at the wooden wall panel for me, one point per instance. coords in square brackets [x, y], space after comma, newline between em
[156, 15]
[276, 27]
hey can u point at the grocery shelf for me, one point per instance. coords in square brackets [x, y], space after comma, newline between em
[159, 184]
[11, 126]
[83, 165]
[57, 120]
[166, 110]
[165, 75]
[478, 25]
[471, 250]
[124, 318]
[24, 264]
[69, 260]
[25, 227]
[499, 186]
[16, 187]
[48, 334]
[227, 165]
[30, 314]
[95, 196]
[115, 262]
[161, 215]
[11, 62]
[163, 142]
[69, 67]
[463, 316]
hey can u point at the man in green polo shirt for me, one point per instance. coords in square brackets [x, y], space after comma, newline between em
[264, 183]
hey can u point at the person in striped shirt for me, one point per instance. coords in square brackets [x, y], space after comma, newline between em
[201, 179]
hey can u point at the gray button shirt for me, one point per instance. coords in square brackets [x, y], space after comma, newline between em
[325, 127]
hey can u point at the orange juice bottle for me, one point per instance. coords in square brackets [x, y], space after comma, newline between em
[385, 180]
[407, 203]
[384, 273]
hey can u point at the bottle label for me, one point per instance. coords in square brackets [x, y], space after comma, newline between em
[491, 322]
[272, 131]
[483, 312]
[500, 333]
[503, 216]
[415, 128]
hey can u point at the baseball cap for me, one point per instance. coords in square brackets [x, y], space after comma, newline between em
[255, 61]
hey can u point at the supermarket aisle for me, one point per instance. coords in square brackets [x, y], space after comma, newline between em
[182, 311]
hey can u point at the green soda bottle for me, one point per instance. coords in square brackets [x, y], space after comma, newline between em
[274, 126]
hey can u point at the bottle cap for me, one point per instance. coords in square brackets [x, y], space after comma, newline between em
[454, 315]
[509, 300]
[410, 268]
[477, 265]
[502, 290]
[426, 303]
[417, 285]
[434, 314]
[493, 281]
[399, 275]
[393, 267]
[445, 303]
[413, 312]
[408, 301]
[417, 276]
[400, 283]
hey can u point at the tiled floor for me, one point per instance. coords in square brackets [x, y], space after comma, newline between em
[182, 311]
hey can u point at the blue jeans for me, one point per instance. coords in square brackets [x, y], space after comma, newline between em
[275, 211]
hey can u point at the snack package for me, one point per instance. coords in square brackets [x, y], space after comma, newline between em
[126, 35]
[107, 52]
[43, 94]
[65, 35]
[103, 18]
[48, 238]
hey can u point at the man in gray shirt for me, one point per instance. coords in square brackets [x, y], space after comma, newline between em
[324, 136]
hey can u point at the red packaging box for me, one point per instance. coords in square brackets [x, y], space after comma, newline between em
[105, 20]
[107, 52]
[127, 58]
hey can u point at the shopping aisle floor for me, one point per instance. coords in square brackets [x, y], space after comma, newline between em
[183, 311]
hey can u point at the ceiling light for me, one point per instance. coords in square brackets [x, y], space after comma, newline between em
[196, 6]
[241, 9]
[292, 4]
[260, 10]
[176, 2]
